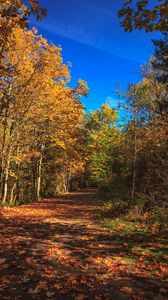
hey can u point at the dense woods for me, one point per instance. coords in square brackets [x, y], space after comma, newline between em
[49, 145]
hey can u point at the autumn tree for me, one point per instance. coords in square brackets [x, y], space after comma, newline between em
[35, 64]
[102, 139]
[40, 118]
[66, 139]
[143, 153]
[140, 15]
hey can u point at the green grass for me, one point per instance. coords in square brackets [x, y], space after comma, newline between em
[138, 237]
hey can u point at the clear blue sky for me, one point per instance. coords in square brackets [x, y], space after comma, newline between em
[93, 41]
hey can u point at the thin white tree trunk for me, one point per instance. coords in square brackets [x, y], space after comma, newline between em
[5, 182]
[39, 171]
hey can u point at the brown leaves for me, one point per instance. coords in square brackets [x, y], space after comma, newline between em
[127, 290]
[80, 297]
[2, 260]
[65, 257]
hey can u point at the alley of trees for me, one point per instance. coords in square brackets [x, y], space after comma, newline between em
[48, 143]
[83, 196]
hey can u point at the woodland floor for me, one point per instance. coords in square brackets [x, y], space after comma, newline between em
[56, 249]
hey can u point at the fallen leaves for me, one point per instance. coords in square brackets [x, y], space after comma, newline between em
[30, 260]
[2, 260]
[25, 279]
[34, 291]
[80, 297]
[50, 294]
[5, 280]
[53, 251]
[40, 286]
[127, 290]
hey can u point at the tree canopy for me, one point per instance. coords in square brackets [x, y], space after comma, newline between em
[142, 15]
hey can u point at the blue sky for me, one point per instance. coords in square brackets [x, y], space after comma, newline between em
[92, 40]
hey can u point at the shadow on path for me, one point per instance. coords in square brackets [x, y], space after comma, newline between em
[54, 249]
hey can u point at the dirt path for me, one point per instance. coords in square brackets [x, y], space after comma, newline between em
[55, 249]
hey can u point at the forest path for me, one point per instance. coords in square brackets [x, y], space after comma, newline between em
[55, 249]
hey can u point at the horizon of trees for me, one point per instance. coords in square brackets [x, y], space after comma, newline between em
[48, 145]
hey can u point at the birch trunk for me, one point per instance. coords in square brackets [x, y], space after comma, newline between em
[5, 182]
[39, 171]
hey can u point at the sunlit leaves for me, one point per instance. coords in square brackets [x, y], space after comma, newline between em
[44, 114]
[103, 138]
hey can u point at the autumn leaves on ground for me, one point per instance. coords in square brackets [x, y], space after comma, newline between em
[58, 249]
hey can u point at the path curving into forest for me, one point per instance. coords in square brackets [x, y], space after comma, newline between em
[55, 249]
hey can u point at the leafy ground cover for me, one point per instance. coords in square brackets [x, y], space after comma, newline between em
[57, 249]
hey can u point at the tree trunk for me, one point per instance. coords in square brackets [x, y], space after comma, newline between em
[3, 148]
[69, 178]
[135, 156]
[39, 169]
[34, 167]
[5, 182]
[7, 166]
[64, 185]
[134, 173]
[12, 195]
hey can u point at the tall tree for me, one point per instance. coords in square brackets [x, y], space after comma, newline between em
[102, 138]
[34, 65]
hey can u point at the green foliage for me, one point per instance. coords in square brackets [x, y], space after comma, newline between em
[134, 167]
[102, 138]
[159, 217]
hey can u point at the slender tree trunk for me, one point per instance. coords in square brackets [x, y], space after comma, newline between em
[39, 172]
[12, 194]
[69, 178]
[134, 173]
[5, 170]
[5, 182]
[18, 184]
[135, 156]
[64, 181]
[29, 187]
[64, 184]
[3, 148]
[34, 167]
[7, 165]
